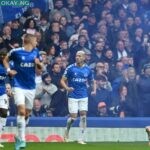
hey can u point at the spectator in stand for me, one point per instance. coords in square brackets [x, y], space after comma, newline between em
[16, 29]
[113, 32]
[7, 37]
[58, 60]
[99, 69]
[102, 95]
[64, 25]
[64, 49]
[55, 30]
[44, 58]
[46, 89]
[102, 110]
[30, 26]
[116, 75]
[40, 44]
[98, 51]
[38, 77]
[38, 109]
[76, 25]
[122, 14]
[12, 106]
[120, 49]
[43, 27]
[72, 6]
[102, 29]
[144, 60]
[109, 58]
[90, 24]
[129, 25]
[129, 47]
[144, 91]
[51, 53]
[130, 82]
[139, 50]
[133, 9]
[121, 104]
[88, 59]
[81, 32]
[121, 4]
[81, 45]
[36, 15]
[56, 74]
[59, 7]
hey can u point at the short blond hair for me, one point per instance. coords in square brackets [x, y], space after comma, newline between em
[27, 38]
[81, 52]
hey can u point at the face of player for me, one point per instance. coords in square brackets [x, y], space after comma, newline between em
[80, 58]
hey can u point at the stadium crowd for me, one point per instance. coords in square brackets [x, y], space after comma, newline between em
[115, 35]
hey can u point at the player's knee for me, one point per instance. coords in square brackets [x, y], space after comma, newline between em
[3, 113]
[27, 114]
[83, 118]
[73, 119]
[22, 113]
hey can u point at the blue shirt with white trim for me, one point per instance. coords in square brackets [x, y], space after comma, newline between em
[77, 78]
[24, 64]
[2, 79]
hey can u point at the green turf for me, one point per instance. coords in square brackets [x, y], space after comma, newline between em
[88, 146]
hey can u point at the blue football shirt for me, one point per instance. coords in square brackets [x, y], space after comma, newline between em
[77, 78]
[24, 64]
[2, 79]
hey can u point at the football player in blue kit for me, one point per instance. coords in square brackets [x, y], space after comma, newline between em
[25, 60]
[75, 80]
[4, 104]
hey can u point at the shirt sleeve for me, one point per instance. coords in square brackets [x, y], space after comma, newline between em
[66, 73]
[11, 54]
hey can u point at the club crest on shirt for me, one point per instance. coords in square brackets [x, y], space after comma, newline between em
[85, 75]
[75, 74]
[23, 58]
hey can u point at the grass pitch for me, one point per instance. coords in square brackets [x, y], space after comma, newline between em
[88, 146]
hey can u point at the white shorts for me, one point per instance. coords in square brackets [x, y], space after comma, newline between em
[75, 105]
[24, 97]
[4, 102]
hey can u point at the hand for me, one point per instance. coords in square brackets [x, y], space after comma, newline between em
[122, 114]
[45, 91]
[38, 63]
[93, 93]
[70, 89]
[12, 72]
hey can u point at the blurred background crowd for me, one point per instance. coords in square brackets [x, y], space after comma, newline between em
[115, 35]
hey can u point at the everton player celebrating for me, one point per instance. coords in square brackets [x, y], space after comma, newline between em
[25, 60]
[75, 80]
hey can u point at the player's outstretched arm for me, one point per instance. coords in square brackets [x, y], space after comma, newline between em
[93, 87]
[64, 84]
